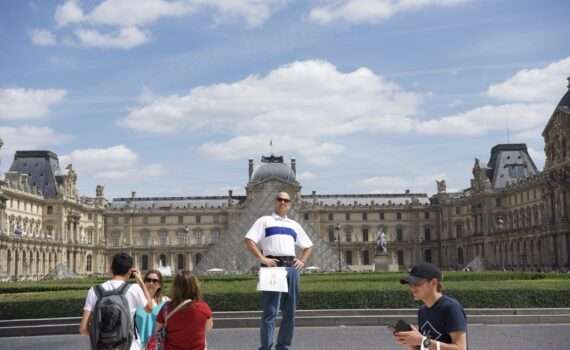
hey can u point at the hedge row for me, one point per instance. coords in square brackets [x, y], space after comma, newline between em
[70, 304]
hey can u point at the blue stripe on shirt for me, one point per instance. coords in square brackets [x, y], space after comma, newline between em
[280, 230]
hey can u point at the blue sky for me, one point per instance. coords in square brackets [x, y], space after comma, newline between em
[173, 97]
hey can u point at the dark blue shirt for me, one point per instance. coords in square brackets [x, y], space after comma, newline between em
[442, 318]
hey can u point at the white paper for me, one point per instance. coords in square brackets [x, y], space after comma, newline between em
[273, 279]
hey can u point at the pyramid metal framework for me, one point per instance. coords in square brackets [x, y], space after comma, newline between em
[230, 253]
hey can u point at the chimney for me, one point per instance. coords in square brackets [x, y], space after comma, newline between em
[250, 168]
[230, 195]
[133, 194]
[568, 82]
[294, 165]
[314, 195]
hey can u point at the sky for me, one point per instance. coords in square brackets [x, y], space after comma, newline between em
[171, 98]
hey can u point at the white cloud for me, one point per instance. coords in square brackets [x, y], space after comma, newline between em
[111, 163]
[370, 11]
[68, 13]
[124, 13]
[28, 137]
[302, 103]
[534, 85]
[481, 120]
[18, 103]
[42, 37]
[393, 184]
[126, 17]
[125, 38]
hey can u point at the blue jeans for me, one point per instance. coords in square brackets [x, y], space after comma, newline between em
[287, 302]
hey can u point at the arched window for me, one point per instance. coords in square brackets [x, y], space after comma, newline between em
[400, 258]
[89, 263]
[180, 261]
[332, 236]
[162, 260]
[198, 258]
[460, 259]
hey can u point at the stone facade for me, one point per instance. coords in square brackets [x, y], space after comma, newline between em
[512, 216]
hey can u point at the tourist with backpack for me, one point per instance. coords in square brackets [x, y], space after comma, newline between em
[186, 317]
[108, 314]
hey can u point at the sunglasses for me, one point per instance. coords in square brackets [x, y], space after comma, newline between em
[151, 280]
[279, 199]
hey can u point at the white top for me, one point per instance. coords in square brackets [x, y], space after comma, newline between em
[278, 236]
[135, 298]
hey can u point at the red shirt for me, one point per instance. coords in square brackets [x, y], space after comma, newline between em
[186, 329]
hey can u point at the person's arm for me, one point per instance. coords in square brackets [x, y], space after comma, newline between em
[411, 339]
[305, 254]
[209, 324]
[84, 324]
[252, 247]
[150, 303]
[458, 342]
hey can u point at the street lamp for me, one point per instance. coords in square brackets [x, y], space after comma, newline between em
[337, 229]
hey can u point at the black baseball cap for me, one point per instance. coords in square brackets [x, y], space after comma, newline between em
[422, 271]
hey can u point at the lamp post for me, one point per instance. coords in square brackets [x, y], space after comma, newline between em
[337, 229]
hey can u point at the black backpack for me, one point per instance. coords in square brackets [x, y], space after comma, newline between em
[111, 321]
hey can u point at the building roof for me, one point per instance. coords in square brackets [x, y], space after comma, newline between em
[273, 167]
[173, 202]
[368, 199]
[42, 168]
[510, 163]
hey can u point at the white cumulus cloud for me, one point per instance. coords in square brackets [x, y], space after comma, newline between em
[20, 103]
[27, 137]
[42, 37]
[68, 13]
[125, 38]
[370, 11]
[534, 85]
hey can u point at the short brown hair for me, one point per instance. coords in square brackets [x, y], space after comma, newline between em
[185, 286]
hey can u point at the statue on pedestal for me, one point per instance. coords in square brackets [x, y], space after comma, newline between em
[381, 248]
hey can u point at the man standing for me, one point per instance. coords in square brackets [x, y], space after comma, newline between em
[277, 236]
[136, 295]
[441, 320]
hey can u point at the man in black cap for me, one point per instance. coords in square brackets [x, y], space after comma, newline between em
[442, 324]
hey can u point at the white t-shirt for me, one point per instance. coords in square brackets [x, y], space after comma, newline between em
[135, 298]
[278, 236]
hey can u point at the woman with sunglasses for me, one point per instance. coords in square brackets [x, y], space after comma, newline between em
[144, 321]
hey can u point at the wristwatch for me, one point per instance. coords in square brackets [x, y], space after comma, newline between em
[426, 343]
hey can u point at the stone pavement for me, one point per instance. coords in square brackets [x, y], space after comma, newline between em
[484, 337]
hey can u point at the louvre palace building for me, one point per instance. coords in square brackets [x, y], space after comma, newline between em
[511, 216]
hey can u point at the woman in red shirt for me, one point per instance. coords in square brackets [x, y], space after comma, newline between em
[186, 328]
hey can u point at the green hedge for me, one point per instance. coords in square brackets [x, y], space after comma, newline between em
[319, 291]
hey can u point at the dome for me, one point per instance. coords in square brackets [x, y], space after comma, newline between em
[278, 170]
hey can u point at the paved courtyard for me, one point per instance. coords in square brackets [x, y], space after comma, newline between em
[503, 337]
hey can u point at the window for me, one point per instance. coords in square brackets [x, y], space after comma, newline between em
[516, 170]
[306, 216]
[347, 216]
[198, 258]
[460, 256]
[332, 236]
[400, 258]
[180, 262]
[331, 217]
[89, 263]
[145, 220]
[180, 238]
[144, 262]
[162, 260]
[399, 234]
[365, 234]
[348, 257]
[365, 257]
[49, 210]
[115, 220]
[163, 236]
[427, 233]
[163, 219]
[348, 236]
[198, 219]
[399, 216]
[180, 219]
[459, 230]
[457, 210]
[364, 216]
[381, 216]
[427, 255]
[426, 215]
[116, 239]
[89, 216]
